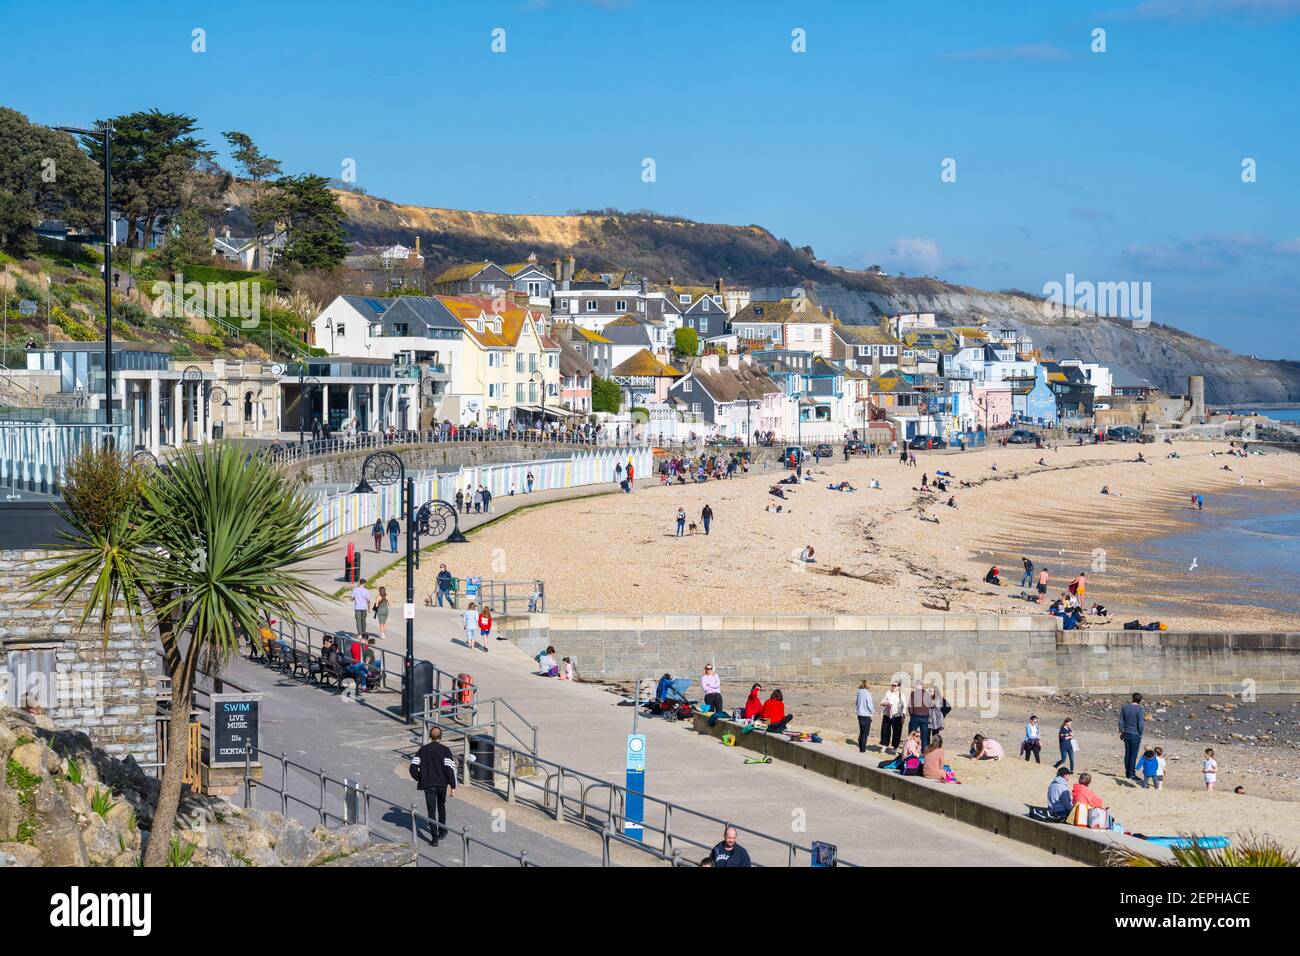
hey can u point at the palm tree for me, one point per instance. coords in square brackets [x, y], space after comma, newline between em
[204, 549]
[1250, 851]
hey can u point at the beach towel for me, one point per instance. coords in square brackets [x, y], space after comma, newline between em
[1186, 843]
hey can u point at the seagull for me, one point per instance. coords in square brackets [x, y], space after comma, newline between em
[1193, 567]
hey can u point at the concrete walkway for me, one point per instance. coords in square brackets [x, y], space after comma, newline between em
[583, 727]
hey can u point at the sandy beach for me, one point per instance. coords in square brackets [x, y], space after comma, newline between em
[875, 551]
[1267, 765]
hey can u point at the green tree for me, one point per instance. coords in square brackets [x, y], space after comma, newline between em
[43, 175]
[686, 341]
[606, 395]
[155, 155]
[311, 220]
[203, 550]
[188, 245]
[256, 165]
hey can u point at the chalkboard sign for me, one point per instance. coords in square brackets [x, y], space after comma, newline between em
[234, 729]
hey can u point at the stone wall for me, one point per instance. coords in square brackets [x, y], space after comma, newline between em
[83, 683]
[1006, 651]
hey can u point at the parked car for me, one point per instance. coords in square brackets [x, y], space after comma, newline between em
[799, 455]
[921, 442]
[856, 447]
[1022, 436]
[1123, 433]
[823, 451]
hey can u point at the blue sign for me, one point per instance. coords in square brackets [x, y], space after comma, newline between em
[635, 809]
[472, 586]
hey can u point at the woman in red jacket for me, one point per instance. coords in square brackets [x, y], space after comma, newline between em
[754, 704]
[485, 624]
[774, 712]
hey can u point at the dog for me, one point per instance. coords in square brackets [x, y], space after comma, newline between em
[691, 528]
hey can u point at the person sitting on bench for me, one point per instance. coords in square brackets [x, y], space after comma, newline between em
[774, 713]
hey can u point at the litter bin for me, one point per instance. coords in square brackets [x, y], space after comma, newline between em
[482, 755]
[218, 430]
[422, 679]
[352, 572]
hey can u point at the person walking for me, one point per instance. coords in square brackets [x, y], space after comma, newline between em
[528, 479]
[378, 531]
[381, 612]
[1065, 738]
[1132, 723]
[394, 529]
[711, 683]
[360, 607]
[919, 706]
[460, 501]
[433, 768]
[469, 619]
[706, 516]
[485, 625]
[478, 499]
[1033, 743]
[631, 476]
[866, 709]
[891, 717]
[1027, 579]
[445, 581]
[487, 500]
[681, 522]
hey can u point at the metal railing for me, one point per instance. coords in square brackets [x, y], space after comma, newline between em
[354, 803]
[610, 821]
[336, 445]
[527, 596]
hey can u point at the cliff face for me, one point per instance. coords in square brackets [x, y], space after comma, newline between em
[664, 247]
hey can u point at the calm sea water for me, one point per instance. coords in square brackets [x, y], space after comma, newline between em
[1253, 540]
[1281, 414]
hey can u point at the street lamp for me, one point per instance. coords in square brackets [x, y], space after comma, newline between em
[432, 518]
[305, 380]
[190, 378]
[105, 133]
[388, 468]
[531, 378]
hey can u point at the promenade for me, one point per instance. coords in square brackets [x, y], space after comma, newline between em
[582, 726]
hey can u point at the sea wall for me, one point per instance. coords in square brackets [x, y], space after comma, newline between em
[1007, 651]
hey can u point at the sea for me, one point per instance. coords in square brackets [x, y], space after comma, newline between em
[1279, 414]
[1245, 546]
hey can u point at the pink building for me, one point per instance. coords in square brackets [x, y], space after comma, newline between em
[992, 402]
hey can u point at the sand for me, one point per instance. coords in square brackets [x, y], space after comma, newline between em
[1270, 772]
[874, 552]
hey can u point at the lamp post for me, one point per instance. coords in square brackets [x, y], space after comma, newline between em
[388, 468]
[191, 378]
[304, 380]
[431, 518]
[532, 378]
[224, 400]
[105, 133]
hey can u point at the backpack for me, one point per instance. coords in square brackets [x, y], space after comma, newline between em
[912, 767]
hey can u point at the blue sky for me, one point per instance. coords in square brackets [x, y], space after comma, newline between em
[1117, 166]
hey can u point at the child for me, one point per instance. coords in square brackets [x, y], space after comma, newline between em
[1210, 768]
[1160, 768]
[1150, 767]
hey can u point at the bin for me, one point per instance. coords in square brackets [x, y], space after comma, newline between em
[352, 572]
[218, 430]
[482, 752]
[422, 679]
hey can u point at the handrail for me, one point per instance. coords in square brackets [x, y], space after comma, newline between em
[363, 797]
[169, 298]
[319, 447]
[559, 772]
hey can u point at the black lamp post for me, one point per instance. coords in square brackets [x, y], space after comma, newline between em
[191, 379]
[305, 380]
[105, 133]
[388, 468]
[432, 518]
[532, 378]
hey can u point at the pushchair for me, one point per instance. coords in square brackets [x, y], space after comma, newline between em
[671, 701]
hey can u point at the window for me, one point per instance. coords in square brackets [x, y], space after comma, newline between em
[248, 406]
[688, 386]
[519, 362]
[573, 307]
[340, 330]
[532, 361]
[591, 305]
[704, 325]
[534, 290]
[640, 305]
[519, 392]
[705, 303]
[817, 334]
[695, 406]
[550, 360]
[620, 305]
[32, 678]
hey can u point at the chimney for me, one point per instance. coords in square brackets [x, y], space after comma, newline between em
[721, 285]
[709, 362]
[417, 247]
[569, 263]
[645, 285]
[225, 232]
[532, 257]
[733, 361]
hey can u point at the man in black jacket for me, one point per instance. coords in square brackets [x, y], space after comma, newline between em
[1132, 724]
[434, 768]
[729, 852]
